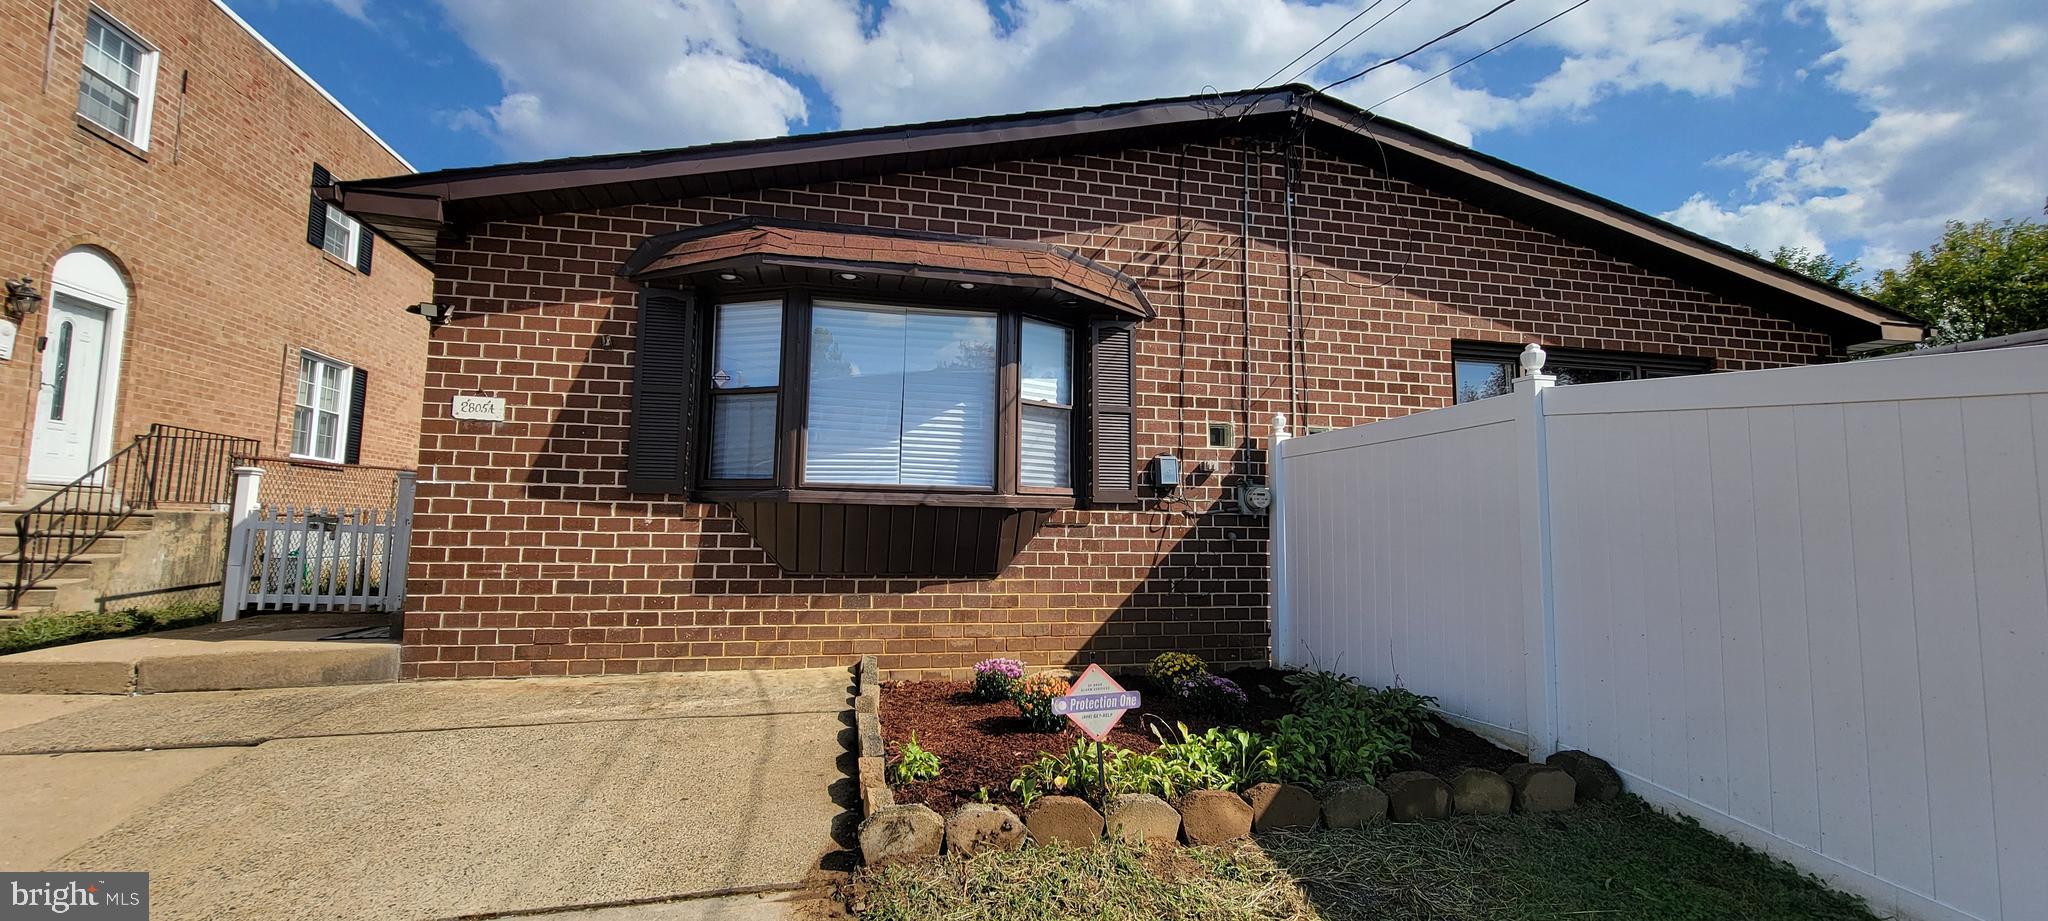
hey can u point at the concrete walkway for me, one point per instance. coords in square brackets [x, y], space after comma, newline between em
[263, 651]
[439, 799]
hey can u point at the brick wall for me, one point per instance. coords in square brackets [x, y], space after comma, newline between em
[530, 557]
[209, 224]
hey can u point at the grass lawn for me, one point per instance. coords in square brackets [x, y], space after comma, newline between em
[58, 629]
[1621, 861]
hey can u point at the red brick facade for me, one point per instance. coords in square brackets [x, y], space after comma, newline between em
[530, 557]
[208, 224]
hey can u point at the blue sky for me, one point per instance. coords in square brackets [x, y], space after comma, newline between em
[1857, 126]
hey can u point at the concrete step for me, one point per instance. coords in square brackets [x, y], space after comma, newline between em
[78, 567]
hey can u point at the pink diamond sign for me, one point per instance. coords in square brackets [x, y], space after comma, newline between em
[1095, 703]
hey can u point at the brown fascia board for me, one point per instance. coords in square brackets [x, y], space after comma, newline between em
[1542, 202]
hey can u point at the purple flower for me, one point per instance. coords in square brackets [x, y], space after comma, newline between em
[1007, 668]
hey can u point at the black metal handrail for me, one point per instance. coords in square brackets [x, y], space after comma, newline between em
[169, 465]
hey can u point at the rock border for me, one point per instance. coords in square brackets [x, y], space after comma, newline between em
[892, 833]
[875, 794]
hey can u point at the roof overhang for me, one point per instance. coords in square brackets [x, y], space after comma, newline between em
[416, 210]
[759, 252]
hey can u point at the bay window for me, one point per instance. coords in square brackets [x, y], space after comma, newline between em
[887, 398]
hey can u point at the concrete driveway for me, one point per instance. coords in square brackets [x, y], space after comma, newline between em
[436, 799]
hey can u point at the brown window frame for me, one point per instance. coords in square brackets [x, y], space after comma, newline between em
[793, 406]
[1631, 365]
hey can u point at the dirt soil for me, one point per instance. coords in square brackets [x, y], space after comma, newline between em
[986, 744]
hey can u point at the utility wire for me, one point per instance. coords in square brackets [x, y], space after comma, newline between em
[1418, 49]
[1347, 42]
[1312, 48]
[1555, 17]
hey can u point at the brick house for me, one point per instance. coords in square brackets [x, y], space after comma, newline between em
[987, 386]
[157, 200]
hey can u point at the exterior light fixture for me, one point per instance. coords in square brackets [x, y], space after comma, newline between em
[728, 276]
[967, 286]
[22, 297]
[436, 314]
[848, 276]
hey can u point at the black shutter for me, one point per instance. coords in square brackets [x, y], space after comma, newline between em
[358, 392]
[660, 446]
[316, 214]
[364, 239]
[1113, 412]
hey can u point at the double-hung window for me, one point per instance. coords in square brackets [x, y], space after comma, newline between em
[746, 376]
[116, 80]
[342, 235]
[320, 417]
[1045, 378]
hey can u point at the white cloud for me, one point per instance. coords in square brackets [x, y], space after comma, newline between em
[357, 10]
[591, 77]
[624, 74]
[1956, 91]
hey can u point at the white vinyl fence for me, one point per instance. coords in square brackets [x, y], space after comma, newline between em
[315, 558]
[1808, 607]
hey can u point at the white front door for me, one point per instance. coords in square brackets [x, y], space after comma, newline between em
[67, 432]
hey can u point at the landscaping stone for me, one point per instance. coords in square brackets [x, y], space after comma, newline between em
[1477, 791]
[1282, 805]
[874, 785]
[1141, 818]
[1353, 804]
[1598, 781]
[1066, 819]
[900, 834]
[1416, 796]
[1214, 816]
[1541, 788]
[869, 727]
[977, 828]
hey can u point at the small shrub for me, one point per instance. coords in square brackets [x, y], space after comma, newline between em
[1169, 668]
[996, 679]
[1339, 730]
[1219, 759]
[1212, 695]
[913, 763]
[1034, 697]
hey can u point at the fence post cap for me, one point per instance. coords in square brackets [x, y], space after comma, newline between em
[248, 471]
[1280, 425]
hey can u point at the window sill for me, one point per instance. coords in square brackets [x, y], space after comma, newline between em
[303, 460]
[811, 495]
[340, 262]
[108, 135]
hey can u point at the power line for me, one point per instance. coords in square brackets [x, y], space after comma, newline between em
[1555, 17]
[1347, 42]
[1418, 49]
[1319, 43]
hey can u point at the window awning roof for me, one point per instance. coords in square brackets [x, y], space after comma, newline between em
[761, 252]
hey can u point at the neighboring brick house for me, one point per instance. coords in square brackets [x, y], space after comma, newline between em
[900, 391]
[172, 273]
[159, 163]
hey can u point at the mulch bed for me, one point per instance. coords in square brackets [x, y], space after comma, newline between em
[986, 744]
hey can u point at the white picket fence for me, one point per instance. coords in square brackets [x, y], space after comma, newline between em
[315, 559]
[1808, 607]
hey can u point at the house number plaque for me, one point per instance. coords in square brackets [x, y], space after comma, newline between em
[487, 409]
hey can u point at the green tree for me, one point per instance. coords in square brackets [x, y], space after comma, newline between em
[1979, 280]
[1814, 264]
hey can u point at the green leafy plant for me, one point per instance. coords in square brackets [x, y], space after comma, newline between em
[1033, 697]
[1341, 730]
[1075, 772]
[914, 764]
[1170, 668]
[1219, 759]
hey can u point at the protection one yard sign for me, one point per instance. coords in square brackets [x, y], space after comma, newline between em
[1095, 703]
